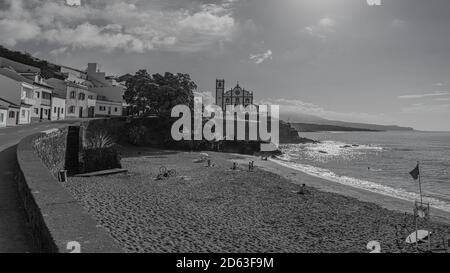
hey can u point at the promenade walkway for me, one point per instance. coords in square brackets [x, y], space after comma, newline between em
[14, 235]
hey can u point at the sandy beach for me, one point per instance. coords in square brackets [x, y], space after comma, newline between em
[388, 202]
[217, 209]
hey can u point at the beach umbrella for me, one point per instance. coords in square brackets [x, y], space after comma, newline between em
[417, 236]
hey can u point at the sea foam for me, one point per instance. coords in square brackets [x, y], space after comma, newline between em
[286, 161]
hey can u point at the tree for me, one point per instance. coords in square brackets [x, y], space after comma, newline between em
[157, 94]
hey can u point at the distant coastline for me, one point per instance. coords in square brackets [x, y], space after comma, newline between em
[309, 127]
[335, 126]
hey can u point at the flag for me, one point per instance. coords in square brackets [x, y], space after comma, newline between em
[415, 173]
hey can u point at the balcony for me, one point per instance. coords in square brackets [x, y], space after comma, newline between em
[46, 102]
[46, 99]
[28, 101]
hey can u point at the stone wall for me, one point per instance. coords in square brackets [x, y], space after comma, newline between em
[54, 217]
[51, 149]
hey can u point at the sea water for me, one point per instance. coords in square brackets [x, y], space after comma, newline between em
[378, 162]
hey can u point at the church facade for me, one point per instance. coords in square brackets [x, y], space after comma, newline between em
[235, 96]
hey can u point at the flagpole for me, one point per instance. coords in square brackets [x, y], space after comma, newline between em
[420, 185]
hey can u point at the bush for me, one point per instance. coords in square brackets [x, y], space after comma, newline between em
[137, 135]
[99, 140]
[99, 159]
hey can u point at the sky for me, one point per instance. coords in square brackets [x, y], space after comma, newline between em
[337, 59]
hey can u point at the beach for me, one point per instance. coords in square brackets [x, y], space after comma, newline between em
[218, 209]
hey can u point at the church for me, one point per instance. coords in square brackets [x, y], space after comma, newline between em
[235, 96]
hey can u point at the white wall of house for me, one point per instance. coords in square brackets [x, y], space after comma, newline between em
[42, 107]
[108, 109]
[58, 108]
[25, 115]
[13, 113]
[27, 95]
[79, 101]
[3, 117]
[113, 93]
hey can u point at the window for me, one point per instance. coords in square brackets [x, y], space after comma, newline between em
[46, 96]
[81, 96]
[247, 101]
[12, 114]
[36, 111]
[90, 97]
[62, 110]
[23, 113]
[72, 94]
[38, 95]
[28, 92]
[54, 110]
[237, 101]
[72, 109]
[115, 109]
[102, 108]
[2, 117]
[227, 100]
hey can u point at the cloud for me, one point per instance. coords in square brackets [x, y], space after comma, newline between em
[322, 29]
[207, 97]
[296, 110]
[327, 23]
[73, 2]
[260, 58]
[136, 26]
[421, 96]
[57, 52]
[421, 108]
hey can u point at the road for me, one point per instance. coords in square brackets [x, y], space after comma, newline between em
[14, 236]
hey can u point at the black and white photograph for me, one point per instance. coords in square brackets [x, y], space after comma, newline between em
[233, 130]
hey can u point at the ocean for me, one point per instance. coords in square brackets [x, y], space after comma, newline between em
[378, 161]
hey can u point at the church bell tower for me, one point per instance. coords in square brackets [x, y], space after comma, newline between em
[220, 90]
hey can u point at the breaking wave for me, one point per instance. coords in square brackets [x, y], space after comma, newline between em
[288, 158]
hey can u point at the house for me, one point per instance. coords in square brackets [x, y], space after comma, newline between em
[12, 118]
[3, 115]
[58, 111]
[106, 108]
[42, 95]
[110, 92]
[104, 94]
[79, 101]
[16, 91]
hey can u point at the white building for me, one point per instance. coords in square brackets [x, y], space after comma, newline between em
[12, 117]
[104, 94]
[105, 108]
[16, 91]
[3, 115]
[58, 108]
[42, 107]
[79, 101]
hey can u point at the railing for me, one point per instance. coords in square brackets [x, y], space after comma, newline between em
[46, 102]
[29, 101]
